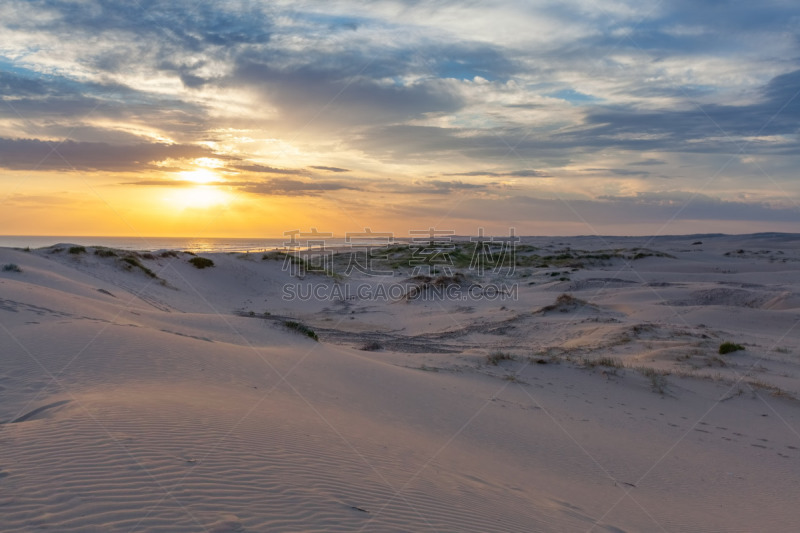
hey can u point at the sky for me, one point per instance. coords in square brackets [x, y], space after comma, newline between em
[255, 118]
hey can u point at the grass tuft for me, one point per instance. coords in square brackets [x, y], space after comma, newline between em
[564, 303]
[658, 380]
[496, 357]
[132, 262]
[301, 328]
[728, 347]
[610, 362]
[105, 252]
[372, 346]
[201, 262]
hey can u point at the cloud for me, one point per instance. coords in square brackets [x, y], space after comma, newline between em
[162, 183]
[648, 162]
[271, 187]
[618, 171]
[525, 173]
[334, 90]
[443, 187]
[58, 106]
[410, 88]
[709, 127]
[21, 86]
[265, 169]
[330, 169]
[696, 206]
[292, 187]
[34, 154]
[592, 215]
[768, 125]
[39, 200]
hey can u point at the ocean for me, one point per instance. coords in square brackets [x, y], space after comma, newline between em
[192, 244]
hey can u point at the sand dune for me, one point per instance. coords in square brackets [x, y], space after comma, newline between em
[150, 395]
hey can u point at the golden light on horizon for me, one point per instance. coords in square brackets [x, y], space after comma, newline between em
[201, 196]
[209, 162]
[200, 175]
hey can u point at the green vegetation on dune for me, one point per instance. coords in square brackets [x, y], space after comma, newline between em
[131, 261]
[301, 328]
[201, 262]
[729, 347]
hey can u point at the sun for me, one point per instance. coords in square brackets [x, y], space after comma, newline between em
[199, 175]
[200, 197]
[197, 197]
[202, 189]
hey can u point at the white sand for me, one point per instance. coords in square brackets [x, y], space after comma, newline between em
[131, 405]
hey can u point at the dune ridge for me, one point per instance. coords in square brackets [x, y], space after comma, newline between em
[594, 400]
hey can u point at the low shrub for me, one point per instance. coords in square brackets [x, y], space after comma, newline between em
[372, 346]
[11, 267]
[728, 347]
[610, 362]
[134, 262]
[301, 328]
[564, 303]
[658, 380]
[496, 357]
[201, 262]
[77, 250]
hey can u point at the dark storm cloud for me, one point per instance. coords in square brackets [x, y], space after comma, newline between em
[33, 154]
